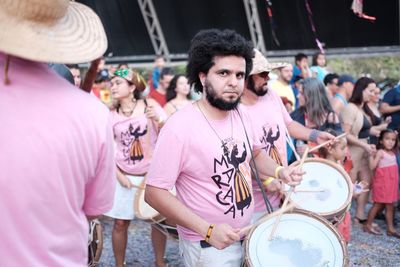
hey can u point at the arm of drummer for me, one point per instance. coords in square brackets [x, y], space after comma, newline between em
[165, 170]
[298, 131]
[266, 167]
[168, 205]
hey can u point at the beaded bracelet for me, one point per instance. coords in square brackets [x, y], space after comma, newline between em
[268, 181]
[209, 231]
[277, 170]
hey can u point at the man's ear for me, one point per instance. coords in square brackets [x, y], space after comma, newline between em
[202, 78]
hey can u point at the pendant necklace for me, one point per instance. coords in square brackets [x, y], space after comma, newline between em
[224, 143]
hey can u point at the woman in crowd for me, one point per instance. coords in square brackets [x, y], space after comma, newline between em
[372, 108]
[178, 94]
[315, 111]
[136, 123]
[357, 123]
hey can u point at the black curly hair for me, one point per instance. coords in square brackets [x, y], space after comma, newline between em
[171, 93]
[207, 44]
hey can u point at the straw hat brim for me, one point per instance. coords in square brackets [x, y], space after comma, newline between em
[78, 37]
[267, 67]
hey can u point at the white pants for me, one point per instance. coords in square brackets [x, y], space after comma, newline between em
[194, 255]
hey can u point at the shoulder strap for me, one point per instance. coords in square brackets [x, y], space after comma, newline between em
[255, 171]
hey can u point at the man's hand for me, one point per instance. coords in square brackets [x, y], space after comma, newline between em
[223, 235]
[274, 186]
[323, 137]
[291, 175]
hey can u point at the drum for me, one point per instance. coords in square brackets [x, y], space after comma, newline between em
[168, 229]
[95, 242]
[143, 210]
[301, 239]
[326, 189]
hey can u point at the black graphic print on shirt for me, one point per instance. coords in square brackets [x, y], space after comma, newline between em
[132, 147]
[269, 140]
[230, 172]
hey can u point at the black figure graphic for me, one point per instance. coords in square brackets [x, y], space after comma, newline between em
[242, 189]
[269, 140]
[136, 151]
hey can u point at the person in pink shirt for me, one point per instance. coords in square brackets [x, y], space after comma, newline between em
[204, 150]
[136, 123]
[272, 127]
[56, 140]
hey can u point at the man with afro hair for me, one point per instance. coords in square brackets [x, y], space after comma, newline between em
[204, 151]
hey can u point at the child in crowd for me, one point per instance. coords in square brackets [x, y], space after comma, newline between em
[384, 183]
[337, 154]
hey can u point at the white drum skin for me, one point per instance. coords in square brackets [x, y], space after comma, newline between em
[334, 200]
[302, 239]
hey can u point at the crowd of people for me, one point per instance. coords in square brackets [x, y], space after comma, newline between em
[227, 153]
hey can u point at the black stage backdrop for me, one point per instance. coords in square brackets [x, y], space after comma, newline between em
[335, 23]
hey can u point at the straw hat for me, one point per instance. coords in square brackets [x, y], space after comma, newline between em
[56, 31]
[261, 64]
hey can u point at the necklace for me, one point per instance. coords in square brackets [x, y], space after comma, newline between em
[224, 144]
[129, 112]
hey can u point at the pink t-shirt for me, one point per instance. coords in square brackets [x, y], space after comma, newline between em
[270, 119]
[215, 183]
[135, 139]
[57, 165]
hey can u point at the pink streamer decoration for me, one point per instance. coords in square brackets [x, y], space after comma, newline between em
[357, 7]
[313, 29]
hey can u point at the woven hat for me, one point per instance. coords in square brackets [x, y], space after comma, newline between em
[56, 31]
[261, 64]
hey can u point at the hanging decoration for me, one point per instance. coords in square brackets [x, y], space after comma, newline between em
[313, 29]
[357, 7]
[272, 22]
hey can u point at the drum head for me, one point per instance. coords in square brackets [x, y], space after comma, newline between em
[301, 240]
[143, 210]
[333, 183]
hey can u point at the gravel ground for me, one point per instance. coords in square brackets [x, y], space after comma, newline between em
[364, 249]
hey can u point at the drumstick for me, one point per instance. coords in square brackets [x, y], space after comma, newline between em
[327, 142]
[287, 198]
[273, 214]
[304, 190]
[138, 187]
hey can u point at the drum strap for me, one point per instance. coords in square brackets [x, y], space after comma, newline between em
[254, 168]
[291, 145]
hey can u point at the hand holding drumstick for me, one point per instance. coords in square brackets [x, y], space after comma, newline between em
[287, 197]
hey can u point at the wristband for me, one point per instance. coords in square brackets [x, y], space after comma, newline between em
[277, 170]
[268, 181]
[313, 135]
[209, 232]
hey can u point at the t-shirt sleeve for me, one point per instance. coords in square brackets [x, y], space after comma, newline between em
[286, 116]
[166, 163]
[389, 97]
[99, 191]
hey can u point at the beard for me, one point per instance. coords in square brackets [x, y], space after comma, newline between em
[260, 91]
[218, 102]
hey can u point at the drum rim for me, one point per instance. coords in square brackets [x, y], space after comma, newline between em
[349, 182]
[138, 194]
[313, 215]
